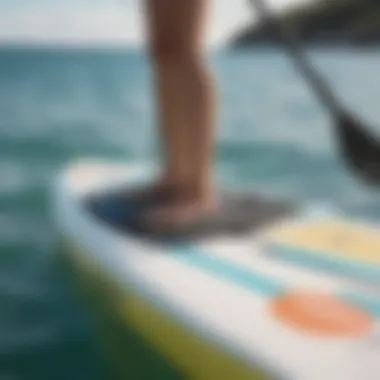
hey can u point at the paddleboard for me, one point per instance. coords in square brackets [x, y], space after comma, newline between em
[270, 290]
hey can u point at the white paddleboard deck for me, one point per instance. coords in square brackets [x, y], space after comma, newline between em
[290, 295]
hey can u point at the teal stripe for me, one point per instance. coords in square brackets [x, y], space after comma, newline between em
[256, 282]
[235, 274]
[365, 302]
[326, 262]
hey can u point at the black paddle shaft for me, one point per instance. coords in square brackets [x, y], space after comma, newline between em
[359, 147]
[289, 39]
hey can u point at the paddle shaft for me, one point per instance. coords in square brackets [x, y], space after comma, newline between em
[359, 147]
[293, 47]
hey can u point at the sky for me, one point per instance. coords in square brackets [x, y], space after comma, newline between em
[103, 21]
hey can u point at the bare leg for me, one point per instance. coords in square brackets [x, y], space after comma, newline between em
[165, 48]
[199, 97]
[186, 102]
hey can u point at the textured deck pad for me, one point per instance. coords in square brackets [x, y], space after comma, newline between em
[239, 214]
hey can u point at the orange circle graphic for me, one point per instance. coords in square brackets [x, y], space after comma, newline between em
[321, 314]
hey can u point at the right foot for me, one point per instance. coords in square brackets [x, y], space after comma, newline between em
[159, 191]
[178, 214]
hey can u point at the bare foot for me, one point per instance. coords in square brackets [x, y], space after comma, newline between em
[158, 191]
[178, 213]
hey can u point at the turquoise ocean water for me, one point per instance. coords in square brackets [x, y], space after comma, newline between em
[58, 105]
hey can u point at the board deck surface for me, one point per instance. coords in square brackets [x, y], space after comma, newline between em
[264, 290]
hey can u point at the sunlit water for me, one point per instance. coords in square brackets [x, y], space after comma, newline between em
[55, 106]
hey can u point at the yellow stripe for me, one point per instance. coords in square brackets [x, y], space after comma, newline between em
[349, 240]
[196, 358]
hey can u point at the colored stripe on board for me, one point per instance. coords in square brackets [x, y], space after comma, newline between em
[256, 282]
[326, 262]
[366, 302]
[229, 271]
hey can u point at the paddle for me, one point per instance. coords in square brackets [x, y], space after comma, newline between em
[360, 149]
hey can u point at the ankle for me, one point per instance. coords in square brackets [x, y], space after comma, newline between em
[201, 192]
[179, 189]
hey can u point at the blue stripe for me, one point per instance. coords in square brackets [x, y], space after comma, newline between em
[326, 262]
[365, 302]
[235, 274]
[256, 282]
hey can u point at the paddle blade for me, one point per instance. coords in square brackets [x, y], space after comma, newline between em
[360, 148]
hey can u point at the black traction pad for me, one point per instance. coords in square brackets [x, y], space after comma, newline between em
[240, 213]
